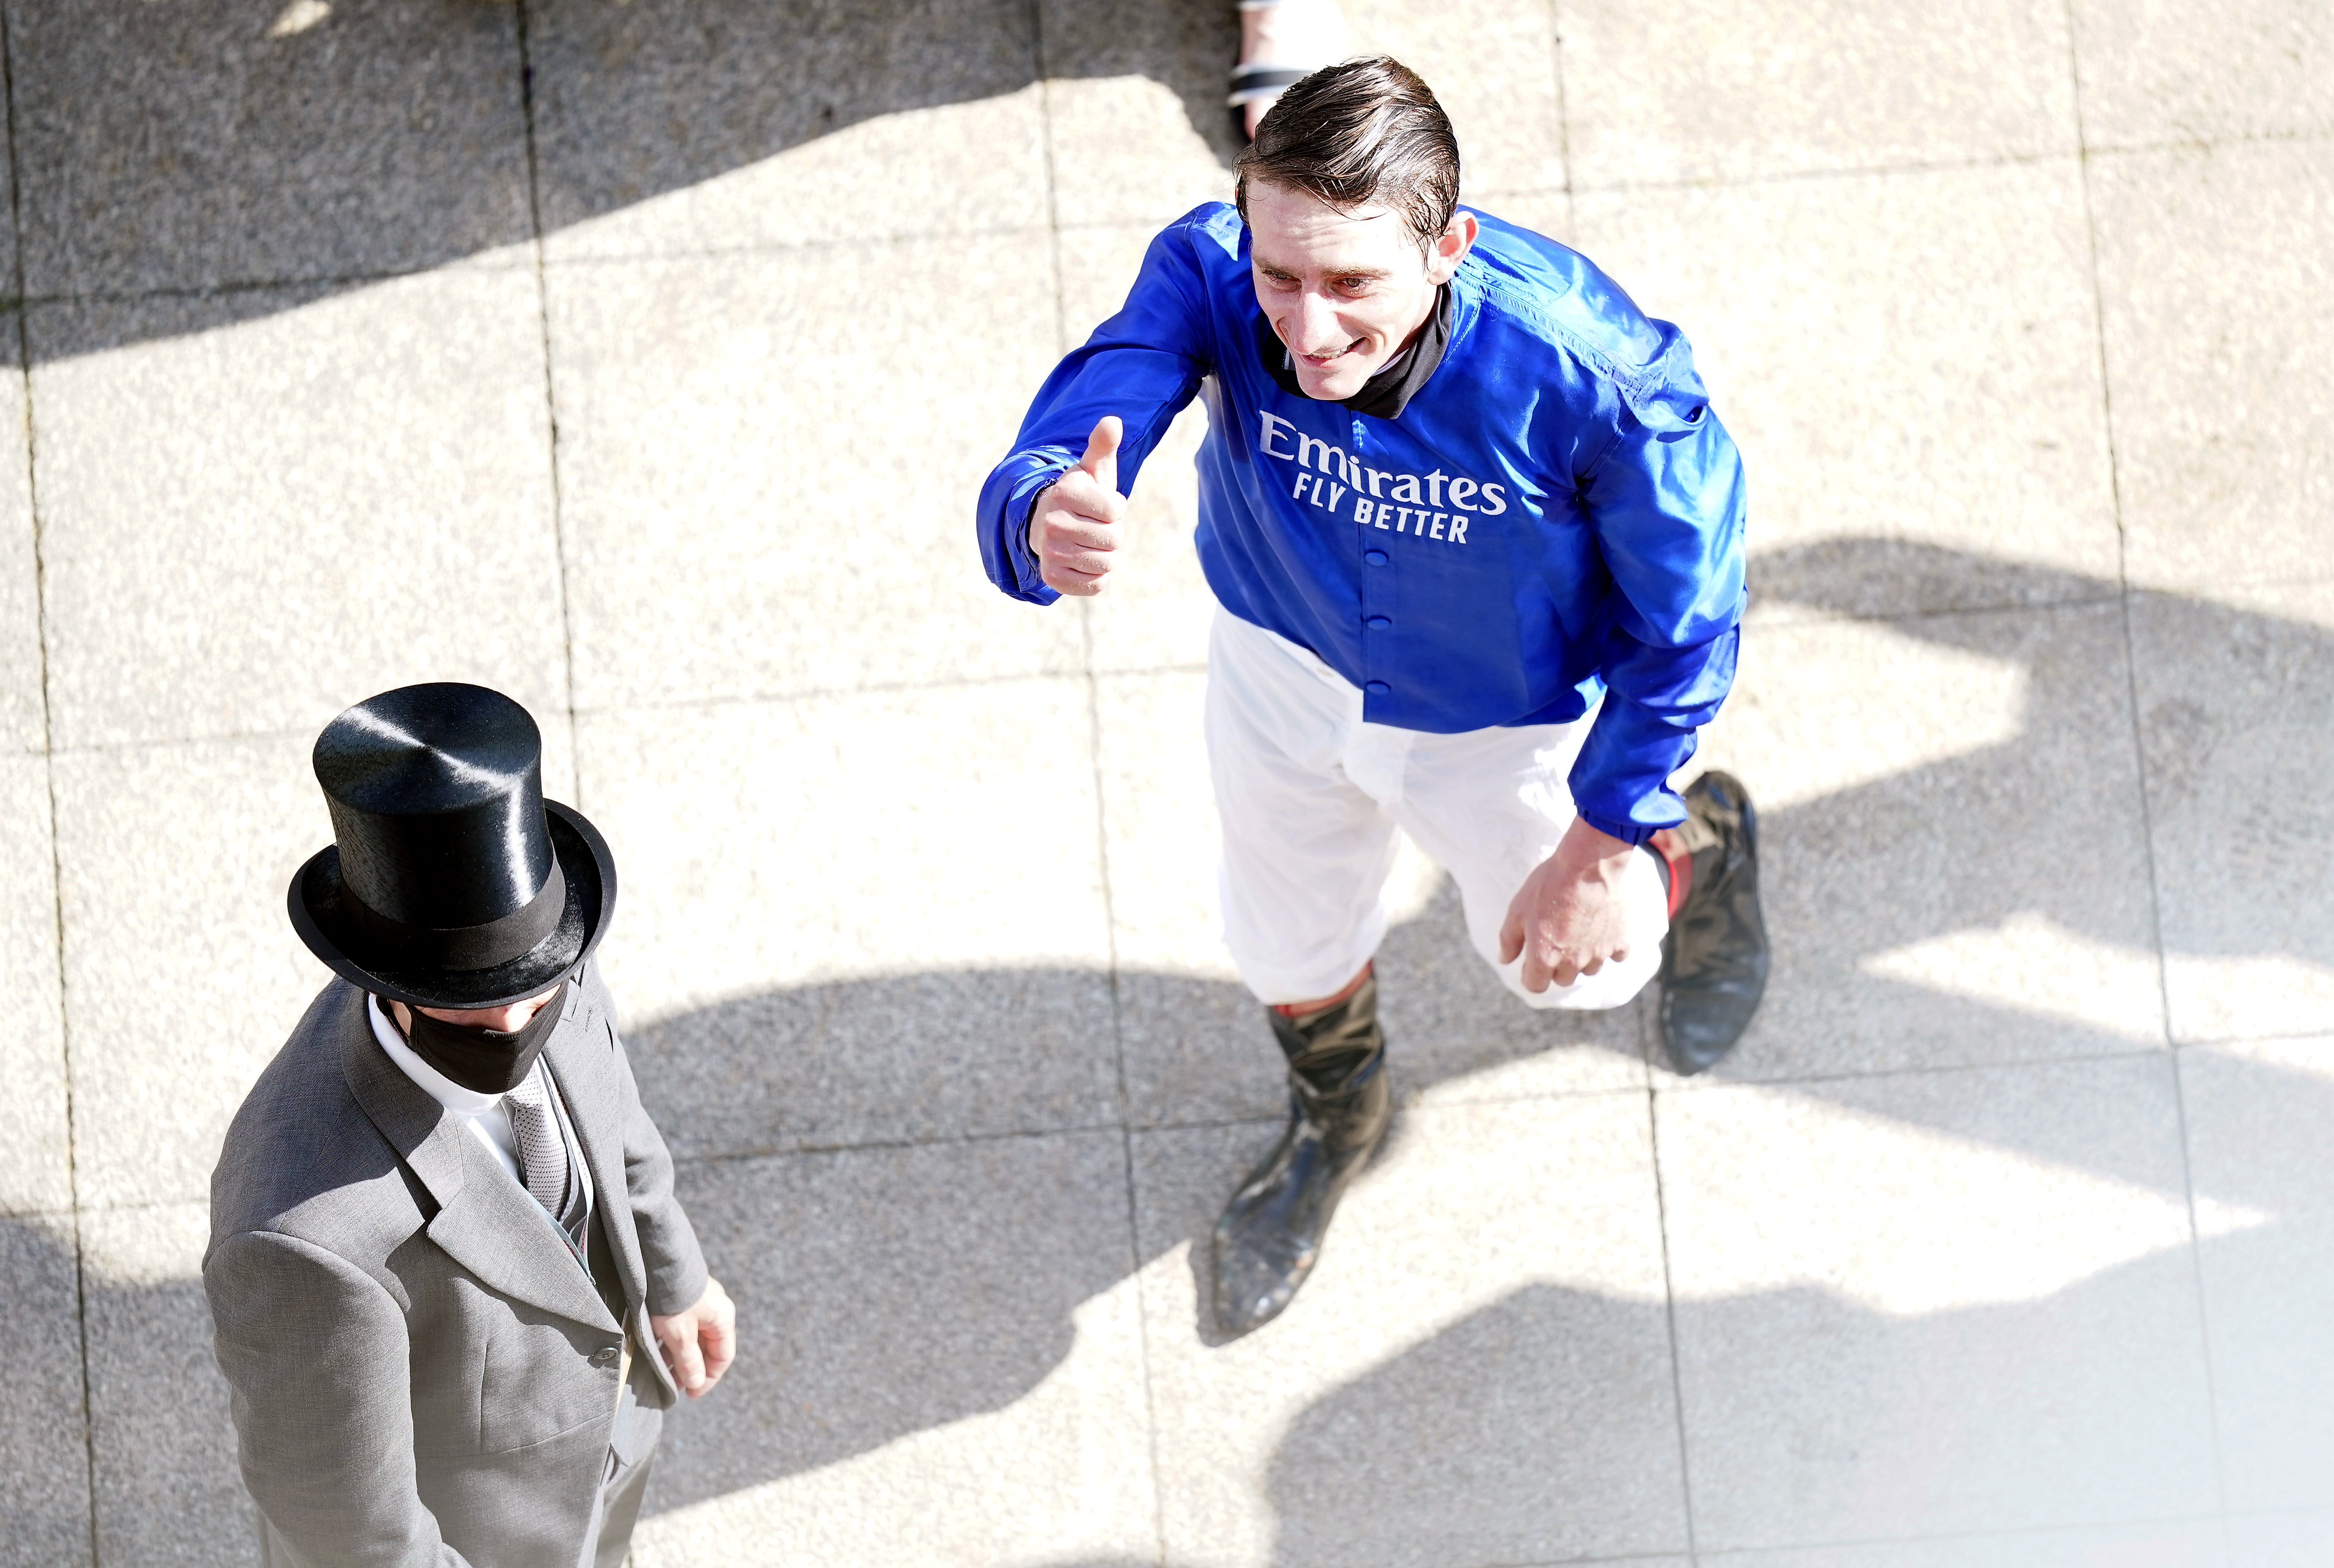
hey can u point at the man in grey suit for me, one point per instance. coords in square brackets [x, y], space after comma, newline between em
[452, 1289]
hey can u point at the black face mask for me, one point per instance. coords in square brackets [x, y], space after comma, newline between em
[484, 1061]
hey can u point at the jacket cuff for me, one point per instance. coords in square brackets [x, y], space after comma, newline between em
[1027, 572]
[675, 1284]
[1621, 828]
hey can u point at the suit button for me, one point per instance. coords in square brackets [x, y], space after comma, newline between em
[1379, 622]
[1377, 688]
[604, 1357]
[1375, 557]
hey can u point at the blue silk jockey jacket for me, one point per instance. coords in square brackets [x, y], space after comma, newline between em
[1556, 514]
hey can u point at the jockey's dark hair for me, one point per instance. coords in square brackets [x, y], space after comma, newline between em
[1365, 132]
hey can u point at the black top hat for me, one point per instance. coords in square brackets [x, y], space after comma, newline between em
[453, 883]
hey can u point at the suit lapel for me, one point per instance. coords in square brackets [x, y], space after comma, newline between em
[584, 1066]
[582, 1055]
[484, 1221]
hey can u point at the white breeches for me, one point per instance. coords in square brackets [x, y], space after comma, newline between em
[1310, 796]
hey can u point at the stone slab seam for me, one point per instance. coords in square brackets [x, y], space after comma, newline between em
[1563, 114]
[1039, 64]
[894, 1145]
[56, 871]
[522, 14]
[1669, 1320]
[2139, 758]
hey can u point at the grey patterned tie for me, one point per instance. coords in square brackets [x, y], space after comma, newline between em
[542, 1153]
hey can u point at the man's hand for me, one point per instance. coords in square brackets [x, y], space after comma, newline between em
[699, 1344]
[1074, 525]
[1566, 919]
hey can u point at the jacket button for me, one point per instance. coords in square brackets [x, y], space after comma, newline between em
[1379, 622]
[604, 1357]
[1375, 557]
[1377, 688]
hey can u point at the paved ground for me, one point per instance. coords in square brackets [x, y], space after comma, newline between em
[640, 358]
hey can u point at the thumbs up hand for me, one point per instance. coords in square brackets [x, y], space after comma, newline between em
[1074, 525]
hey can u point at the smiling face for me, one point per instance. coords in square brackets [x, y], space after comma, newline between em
[1346, 291]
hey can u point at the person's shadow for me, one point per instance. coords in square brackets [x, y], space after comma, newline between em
[251, 161]
[864, 1353]
[208, 163]
[896, 1291]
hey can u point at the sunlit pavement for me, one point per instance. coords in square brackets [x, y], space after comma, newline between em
[641, 359]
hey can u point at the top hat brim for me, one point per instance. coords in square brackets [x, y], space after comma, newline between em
[324, 923]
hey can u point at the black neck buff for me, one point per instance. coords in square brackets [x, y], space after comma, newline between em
[483, 1061]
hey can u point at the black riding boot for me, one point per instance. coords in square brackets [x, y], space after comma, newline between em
[1714, 962]
[1339, 1103]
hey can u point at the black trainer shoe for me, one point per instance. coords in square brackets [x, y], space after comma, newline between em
[1339, 1106]
[1714, 960]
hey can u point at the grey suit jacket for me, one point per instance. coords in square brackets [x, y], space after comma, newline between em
[421, 1374]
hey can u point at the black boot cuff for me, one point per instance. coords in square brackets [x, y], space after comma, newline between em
[1330, 1048]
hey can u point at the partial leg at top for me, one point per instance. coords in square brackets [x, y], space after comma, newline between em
[1282, 41]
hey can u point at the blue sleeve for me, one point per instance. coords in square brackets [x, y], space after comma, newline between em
[1143, 364]
[1665, 497]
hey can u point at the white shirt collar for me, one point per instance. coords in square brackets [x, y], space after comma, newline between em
[436, 1084]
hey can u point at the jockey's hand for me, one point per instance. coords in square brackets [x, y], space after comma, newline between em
[1074, 524]
[1566, 920]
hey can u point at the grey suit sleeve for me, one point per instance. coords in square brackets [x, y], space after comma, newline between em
[669, 1249]
[314, 1350]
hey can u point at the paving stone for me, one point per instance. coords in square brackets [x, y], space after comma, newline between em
[35, 1157]
[1155, 610]
[8, 220]
[1952, 859]
[2265, 1214]
[1478, 1372]
[1937, 1303]
[2156, 71]
[1098, 268]
[1197, 1045]
[248, 526]
[941, 1361]
[1712, 89]
[168, 1493]
[183, 972]
[877, 916]
[24, 723]
[2233, 704]
[2220, 356]
[1494, 66]
[665, 127]
[218, 142]
[1134, 100]
[43, 1437]
[1909, 362]
[751, 510]
[2280, 1540]
[1545, 212]
[2181, 1544]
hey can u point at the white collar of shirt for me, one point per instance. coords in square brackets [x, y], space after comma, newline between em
[461, 1101]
